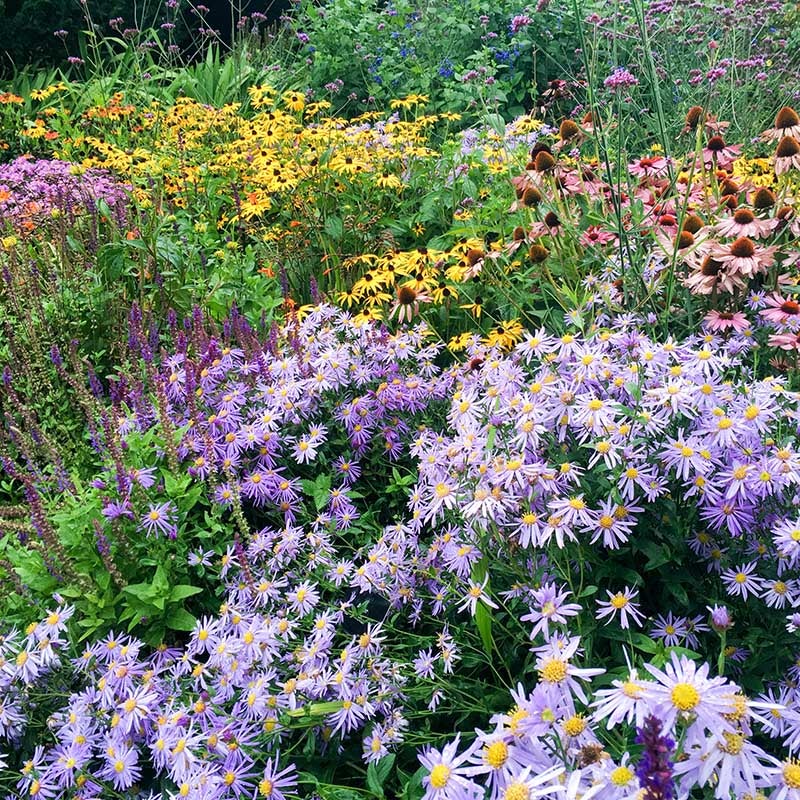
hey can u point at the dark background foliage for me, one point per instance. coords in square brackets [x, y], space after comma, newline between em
[27, 27]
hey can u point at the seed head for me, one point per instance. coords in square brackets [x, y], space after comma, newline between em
[568, 129]
[692, 223]
[787, 147]
[551, 220]
[743, 216]
[473, 256]
[743, 248]
[693, 116]
[532, 196]
[786, 118]
[538, 253]
[544, 162]
[716, 144]
[764, 198]
[710, 266]
[406, 295]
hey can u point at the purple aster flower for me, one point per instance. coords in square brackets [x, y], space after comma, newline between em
[160, 520]
[447, 772]
[275, 782]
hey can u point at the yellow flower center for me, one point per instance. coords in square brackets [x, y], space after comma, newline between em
[574, 726]
[684, 696]
[619, 600]
[631, 689]
[517, 791]
[791, 775]
[734, 742]
[621, 776]
[440, 775]
[495, 754]
[554, 671]
[265, 788]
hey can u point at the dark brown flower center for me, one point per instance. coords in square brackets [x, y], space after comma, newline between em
[692, 223]
[786, 118]
[473, 256]
[693, 116]
[764, 198]
[406, 295]
[531, 196]
[790, 307]
[710, 266]
[685, 239]
[544, 161]
[568, 129]
[716, 144]
[743, 248]
[538, 253]
[743, 216]
[551, 220]
[787, 147]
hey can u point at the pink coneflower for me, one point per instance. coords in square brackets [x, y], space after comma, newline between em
[649, 166]
[743, 257]
[406, 306]
[787, 123]
[787, 155]
[595, 235]
[718, 154]
[745, 223]
[785, 341]
[780, 309]
[718, 321]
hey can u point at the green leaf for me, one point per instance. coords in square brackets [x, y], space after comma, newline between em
[141, 591]
[413, 790]
[178, 619]
[377, 773]
[182, 591]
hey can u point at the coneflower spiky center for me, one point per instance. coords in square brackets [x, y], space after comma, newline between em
[406, 295]
[716, 144]
[786, 118]
[787, 147]
[743, 248]
[743, 216]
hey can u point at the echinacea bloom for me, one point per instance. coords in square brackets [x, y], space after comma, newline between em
[787, 155]
[785, 341]
[649, 166]
[743, 256]
[780, 309]
[622, 602]
[787, 123]
[595, 235]
[745, 223]
[406, 304]
[720, 321]
[718, 154]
